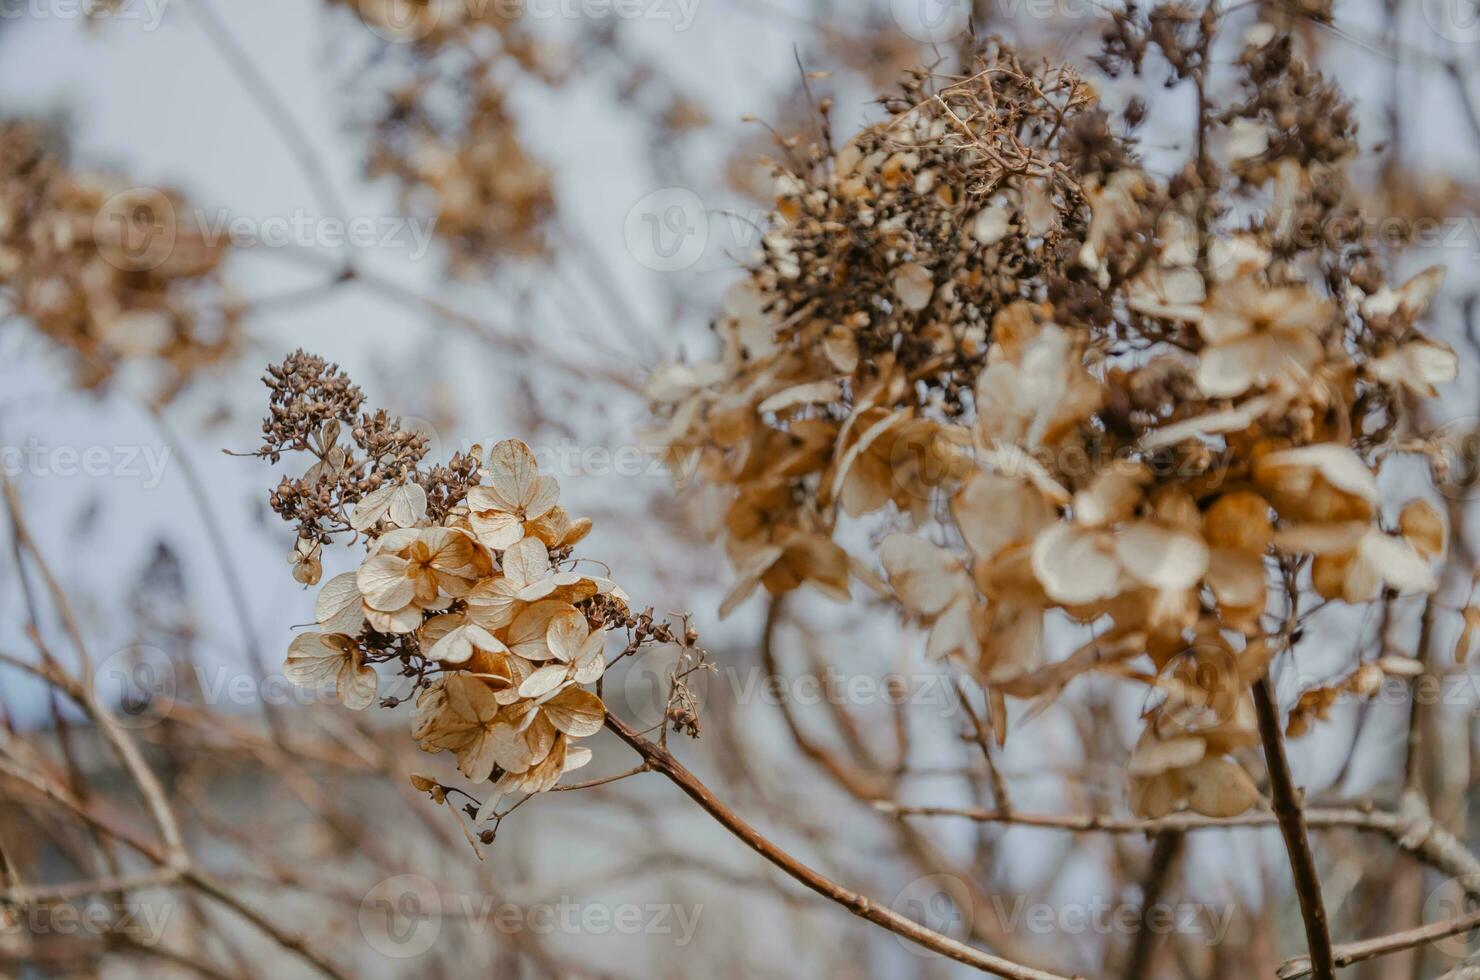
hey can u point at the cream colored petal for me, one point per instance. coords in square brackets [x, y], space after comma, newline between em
[1154, 755]
[383, 581]
[575, 712]
[1320, 539]
[542, 498]
[338, 608]
[544, 680]
[671, 383]
[994, 511]
[1232, 369]
[1076, 566]
[403, 620]
[514, 474]
[408, 505]
[953, 632]
[1413, 297]
[913, 286]
[841, 347]
[566, 633]
[497, 529]
[1419, 365]
[394, 541]
[356, 685]
[576, 757]
[991, 225]
[739, 592]
[526, 561]
[1214, 423]
[529, 630]
[1423, 526]
[1112, 496]
[493, 603]
[926, 578]
[458, 644]
[519, 671]
[1153, 797]
[1219, 788]
[1238, 579]
[1161, 557]
[1396, 562]
[811, 393]
[314, 660]
[1014, 461]
[371, 508]
[1335, 463]
[590, 667]
[484, 498]
[477, 758]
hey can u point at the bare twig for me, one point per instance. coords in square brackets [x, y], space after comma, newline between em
[660, 760]
[1368, 949]
[1291, 819]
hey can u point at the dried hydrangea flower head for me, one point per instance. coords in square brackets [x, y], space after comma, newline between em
[490, 198]
[441, 129]
[467, 588]
[109, 271]
[1128, 402]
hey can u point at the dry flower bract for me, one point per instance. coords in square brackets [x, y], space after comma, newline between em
[467, 589]
[980, 321]
[111, 272]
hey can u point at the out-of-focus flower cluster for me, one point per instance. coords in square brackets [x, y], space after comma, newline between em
[443, 132]
[107, 270]
[467, 588]
[490, 199]
[1150, 408]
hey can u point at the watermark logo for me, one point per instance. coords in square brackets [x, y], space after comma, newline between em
[401, 917]
[941, 903]
[136, 229]
[931, 21]
[648, 679]
[1457, 21]
[139, 683]
[1456, 459]
[668, 229]
[1451, 900]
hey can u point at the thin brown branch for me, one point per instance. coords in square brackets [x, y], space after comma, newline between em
[984, 741]
[660, 760]
[1164, 854]
[1367, 949]
[1287, 810]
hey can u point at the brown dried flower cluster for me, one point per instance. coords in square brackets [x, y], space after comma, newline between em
[107, 270]
[489, 197]
[1124, 404]
[467, 586]
[446, 136]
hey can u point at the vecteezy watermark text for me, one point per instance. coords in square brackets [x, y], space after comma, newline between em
[144, 922]
[34, 458]
[403, 916]
[146, 13]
